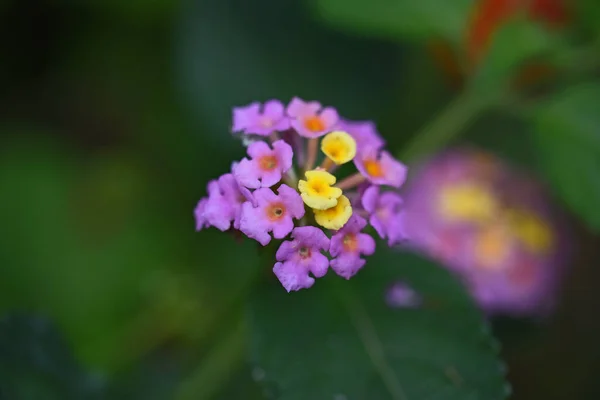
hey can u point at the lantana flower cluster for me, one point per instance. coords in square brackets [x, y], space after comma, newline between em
[492, 225]
[286, 189]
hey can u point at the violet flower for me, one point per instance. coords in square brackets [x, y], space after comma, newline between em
[298, 257]
[385, 214]
[348, 245]
[267, 194]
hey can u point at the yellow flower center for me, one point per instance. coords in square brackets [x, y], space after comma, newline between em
[317, 191]
[531, 230]
[314, 123]
[468, 202]
[335, 217]
[339, 146]
[373, 168]
[267, 163]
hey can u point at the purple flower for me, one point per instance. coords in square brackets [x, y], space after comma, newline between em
[201, 221]
[223, 205]
[300, 256]
[385, 214]
[380, 168]
[266, 166]
[250, 119]
[364, 132]
[347, 246]
[309, 119]
[271, 213]
[400, 295]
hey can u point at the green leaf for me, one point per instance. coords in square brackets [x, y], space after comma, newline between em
[35, 363]
[404, 19]
[567, 138]
[340, 340]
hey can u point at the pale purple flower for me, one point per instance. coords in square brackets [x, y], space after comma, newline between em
[348, 245]
[364, 132]
[271, 213]
[223, 204]
[309, 119]
[401, 295]
[301, 256]
[254, 119]
[266, 166]
[385, 214]
[201, 221]
[380, 168]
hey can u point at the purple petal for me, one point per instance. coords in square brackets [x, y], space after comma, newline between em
[286, 250]
[319, 264]
[394, 170]
[282, 228]
[330, 118]
[312, 237]
[258, 149]
[366, 244]
[201, 221]
[247, 174]
[292, 201]
[274, 109]
[369, 198]
[299, 107]
[244, 117]
[292, 276]
[347, 265]
[284, 154]
[252, 224]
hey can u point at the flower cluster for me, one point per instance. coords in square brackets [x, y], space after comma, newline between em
[491, 225]
[286, 189]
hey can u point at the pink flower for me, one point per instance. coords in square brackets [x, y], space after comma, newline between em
[252, 120]
[380, 168]
[223, 205]
[266, 166]
[364, 132]
[309, 119]
[271, 213]
[300, 256]
[348, 245]
[385, 214]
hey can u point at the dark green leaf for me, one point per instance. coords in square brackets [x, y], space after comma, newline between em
[340, 340]
[567, 136]
[403, 19]
[35, 363]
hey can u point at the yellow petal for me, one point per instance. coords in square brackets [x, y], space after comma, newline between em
[316, 190]
[339, 146]
[335, 217]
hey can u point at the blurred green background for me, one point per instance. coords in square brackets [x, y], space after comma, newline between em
[115, 114]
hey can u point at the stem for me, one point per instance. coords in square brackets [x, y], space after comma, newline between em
[311, 156]
[450, 123]
[351, 181]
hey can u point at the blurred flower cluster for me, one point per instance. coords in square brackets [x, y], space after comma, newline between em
[263, 198]
[490, 224]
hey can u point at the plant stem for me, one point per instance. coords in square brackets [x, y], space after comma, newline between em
[449, 124]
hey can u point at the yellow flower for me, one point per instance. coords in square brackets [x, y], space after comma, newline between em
[468, 202]
[316, 190]
[335, 217]
[339, 146]
[531, 230]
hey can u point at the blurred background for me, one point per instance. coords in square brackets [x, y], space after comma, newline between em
[115, 114]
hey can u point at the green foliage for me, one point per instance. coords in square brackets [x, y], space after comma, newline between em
[35, 363]
[340, 340]
[398, 19]
[567, 136]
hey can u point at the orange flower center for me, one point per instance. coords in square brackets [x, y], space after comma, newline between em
[350, 242]
[304, 252]
[373, 168]
[267, 163]
[266, 122]
[275, 211]
[314, 124]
